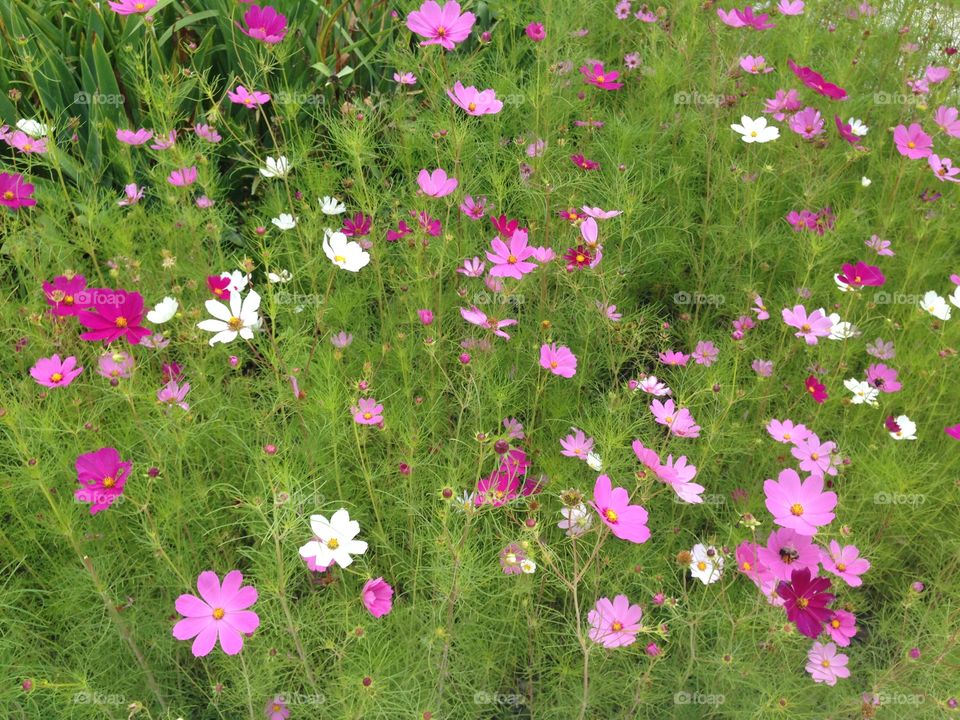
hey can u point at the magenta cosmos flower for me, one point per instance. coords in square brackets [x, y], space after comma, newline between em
[912, 142]
[626, 521]
[52, 372]
[436, 183]
[558, 360]
[132, 7]
[603, 79]
[805, 599]
[614, 624]
[510, 260]
[473, 101]
[825, 664]
[377, 597]
[102, 475]
[815, 82]
[119, 316]
[861, 275]
[264, 24]
[845, 562]
[809, 327]
[220, 611]
[441, 26]
[817, 390]
[368, 412]
[65, 294]
[14, 192]
[800, 506]
[252, 100]
[535, 31]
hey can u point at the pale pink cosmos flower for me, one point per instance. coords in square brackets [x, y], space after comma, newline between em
[510, 260]
[133, 195]
[763, 368]
[705, 353]
[134, 137]
[436, 183]
[52, 372]
[947, 119]
[799, 505]
[174, 394]
[599, 213]
[785, 102]
[626, 521]
[808, 123]
[472, 268]
[132, 7]
[367, 412]
[473, 101]
[787, 550]
[474, 209]
[165, 143]
[614, 624]
[845, 562]
[652, 386]
[790, 7]
[881, 247]
[731, 18]
[815, 457]
[912, 142]
[679, 476]
[183, 177]
[478, 317]
[208, 133]
[755, 65]
[825, 664]
[809, 327]
[220, 612]
[936, 74]
[678, 420]
[441, 26]
[26, 143]
[405, 78]
[251, 100]
[786, 432]
[558, 360]
[759, 308]
[377, 596]
[674, 357]
[943, 169]
[577, 445]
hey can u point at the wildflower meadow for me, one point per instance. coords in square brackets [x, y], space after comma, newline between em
[560, 359]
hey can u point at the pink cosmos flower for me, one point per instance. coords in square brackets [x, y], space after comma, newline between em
[220, 612]
[165, 143]
[809, 327]
[705, 353]
[264, 24]
[943, 168]
[861, 275]
[277, 709]
[64, 295]
[679, 476]
[786, 432]
[731, 18]
[787, 550]
[52, 372]
[912, 142]
[757, 22]
[790, 7]
[953, 431]
[614, 624]
[785, 102]
[474, 209]
[102, 475]
[845, 130]
[425, 315]
[578, 258]
[377, 597]
[817, 390]
[748, 562]
[472, 268]
[755, 65]
[406, 78]
[883, 378]
[131, 7]
[436, 183]
[473, 101]
[132, 195]
[119, 316]
[510, 260]
[626, 521]
[673, 357]
[800, 506]
[477, 317]
[825, 664]
[503, 484]
[576, 445]
[815, 457]
[948, 118]
[183, 177]
[805, 600]
[134, 137]
[845, 562]
[174, 394]
[759, 308]
[584, 163]
[115, 365]
[367, 412]
[652, 386]
[251, 100]
[604, 79]
[881, 247]
[357, 226]
[807, 123]
[14, 192]
[441, 26]
[815, 82]
[936, 74]
[558, 360]
[535, 31]
[842, 626]
[207, 133]
[680, 421]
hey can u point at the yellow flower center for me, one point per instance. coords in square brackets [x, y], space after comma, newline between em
[441, 31]
[753, 133]
[802, 603]
[109, 481]
[747, 567]
[276, 708]
[911, 144]
[218, 613]
[139, 6]
[841, 567]
[825, 663]
[617, 626]
[56, 377]
[333, 543]
[471, 107]
[512, 259]
[805, 327]
[796, 509]
[834, 623]
[786, 436]
[601, 78]
[121, 322]
[668, 419]
[610, 515]
[339, 259]
[8, 195]
[235, 323]
[553, 364]
[701, 566]
[367, 416]
[68, 299]
[581, 258]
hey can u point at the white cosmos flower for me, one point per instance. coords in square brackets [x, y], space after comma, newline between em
[908, 428]
[238, 280]
[241, 318]
[844, 287]
[331, 206]
[276, 168]
[528, 566]
[857, 127]
[594, 461]
[284, 276]
[935, 305]
[163, 311]
[865, 181]
[706, 565]
[576, 520]
[334, 539]
[32, 128]
[345, 254]
[955, 298]
[285, 221]
[841, 329]
[863, 392]
[756, 131]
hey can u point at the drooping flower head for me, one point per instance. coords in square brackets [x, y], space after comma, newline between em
[815, 82]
